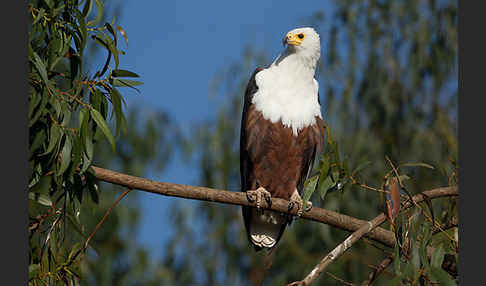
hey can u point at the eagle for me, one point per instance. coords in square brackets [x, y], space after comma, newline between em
[281, 132]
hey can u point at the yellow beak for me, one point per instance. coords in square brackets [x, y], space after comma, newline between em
[292, 39]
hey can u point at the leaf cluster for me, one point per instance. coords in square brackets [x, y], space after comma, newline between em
[69, 112]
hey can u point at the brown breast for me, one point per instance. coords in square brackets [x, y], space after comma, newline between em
[280, 160]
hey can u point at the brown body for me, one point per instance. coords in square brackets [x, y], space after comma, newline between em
[280, 161]
[271, 156]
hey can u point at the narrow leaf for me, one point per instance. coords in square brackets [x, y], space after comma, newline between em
[437, 257]
[420, 164]
[65, 155]
[110, 29]
[41, 199]
[100, 10]
[123, 33]
[124, 73]
[98, 118]
[41, 68]
[440, 275]
[54, 138]
[309, 188]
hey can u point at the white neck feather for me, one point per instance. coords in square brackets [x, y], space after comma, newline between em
[287, 90]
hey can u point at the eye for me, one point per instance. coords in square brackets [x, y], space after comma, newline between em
[301, 36]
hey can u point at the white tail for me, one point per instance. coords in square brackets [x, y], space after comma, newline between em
[265, 227]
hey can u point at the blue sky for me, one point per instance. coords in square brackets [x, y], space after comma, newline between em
[177, 47]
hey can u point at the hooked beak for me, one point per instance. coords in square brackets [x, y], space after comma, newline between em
[291, 39]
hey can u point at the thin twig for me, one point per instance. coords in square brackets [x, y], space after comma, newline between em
[339, 279]
[107, 213]
[381, 267]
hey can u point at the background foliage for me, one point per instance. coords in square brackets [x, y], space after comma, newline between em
[387, 86]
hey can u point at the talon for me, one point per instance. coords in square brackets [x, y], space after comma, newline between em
[297, 200]
[268, 198]
[249, 195]
[308, 207]
[291, 206]
[258, 195]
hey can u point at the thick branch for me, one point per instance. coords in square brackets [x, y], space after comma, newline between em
[239, 198]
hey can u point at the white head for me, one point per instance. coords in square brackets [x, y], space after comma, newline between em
[287, 90]
[304, 43]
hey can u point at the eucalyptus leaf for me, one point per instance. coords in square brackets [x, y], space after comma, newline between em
[100, 121]
[123, 33]
[126, 83]
[309, 188]
[437, 257]
[41, 199]
[441, 276]
[420, 164]
[54, 138]
[124, 73]
[65, 155]
[110, 29]
[41, 68]
[99, 16]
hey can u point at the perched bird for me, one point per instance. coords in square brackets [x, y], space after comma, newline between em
[281, 133]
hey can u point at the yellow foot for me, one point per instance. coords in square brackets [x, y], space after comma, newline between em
[259, 195]
[296, 200]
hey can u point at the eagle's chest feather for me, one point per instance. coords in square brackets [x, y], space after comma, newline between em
[280, 159]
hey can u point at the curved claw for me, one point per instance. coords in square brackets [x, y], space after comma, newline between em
[249, 196]
[268, 199]
[259, 195]
[308, 206]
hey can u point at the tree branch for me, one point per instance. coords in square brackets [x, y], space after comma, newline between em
[335, 219]
[363, 230]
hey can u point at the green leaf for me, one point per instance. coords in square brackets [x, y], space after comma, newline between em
[102, 42]
[56, 11]
[126, 83]
[124, 73]
[437, 257]
[415, 258]
[396, 261]
[98, 118]
[41, 199]
[423, 244]
[327, 184]
[41, 14]
[123, 33]
[41, 68]
[65, 155]
[361, 166]
[99, 16]
[34, 100]
[110, 29]
[77, 154]
[309, 188]
[117, 109]
[395, 281]
[420, 164]
[81, 31]
[54, 138]
[40, 109]
[42, 186]
[33, 270]
[38, 141]
[440, 275]
[110, 45]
